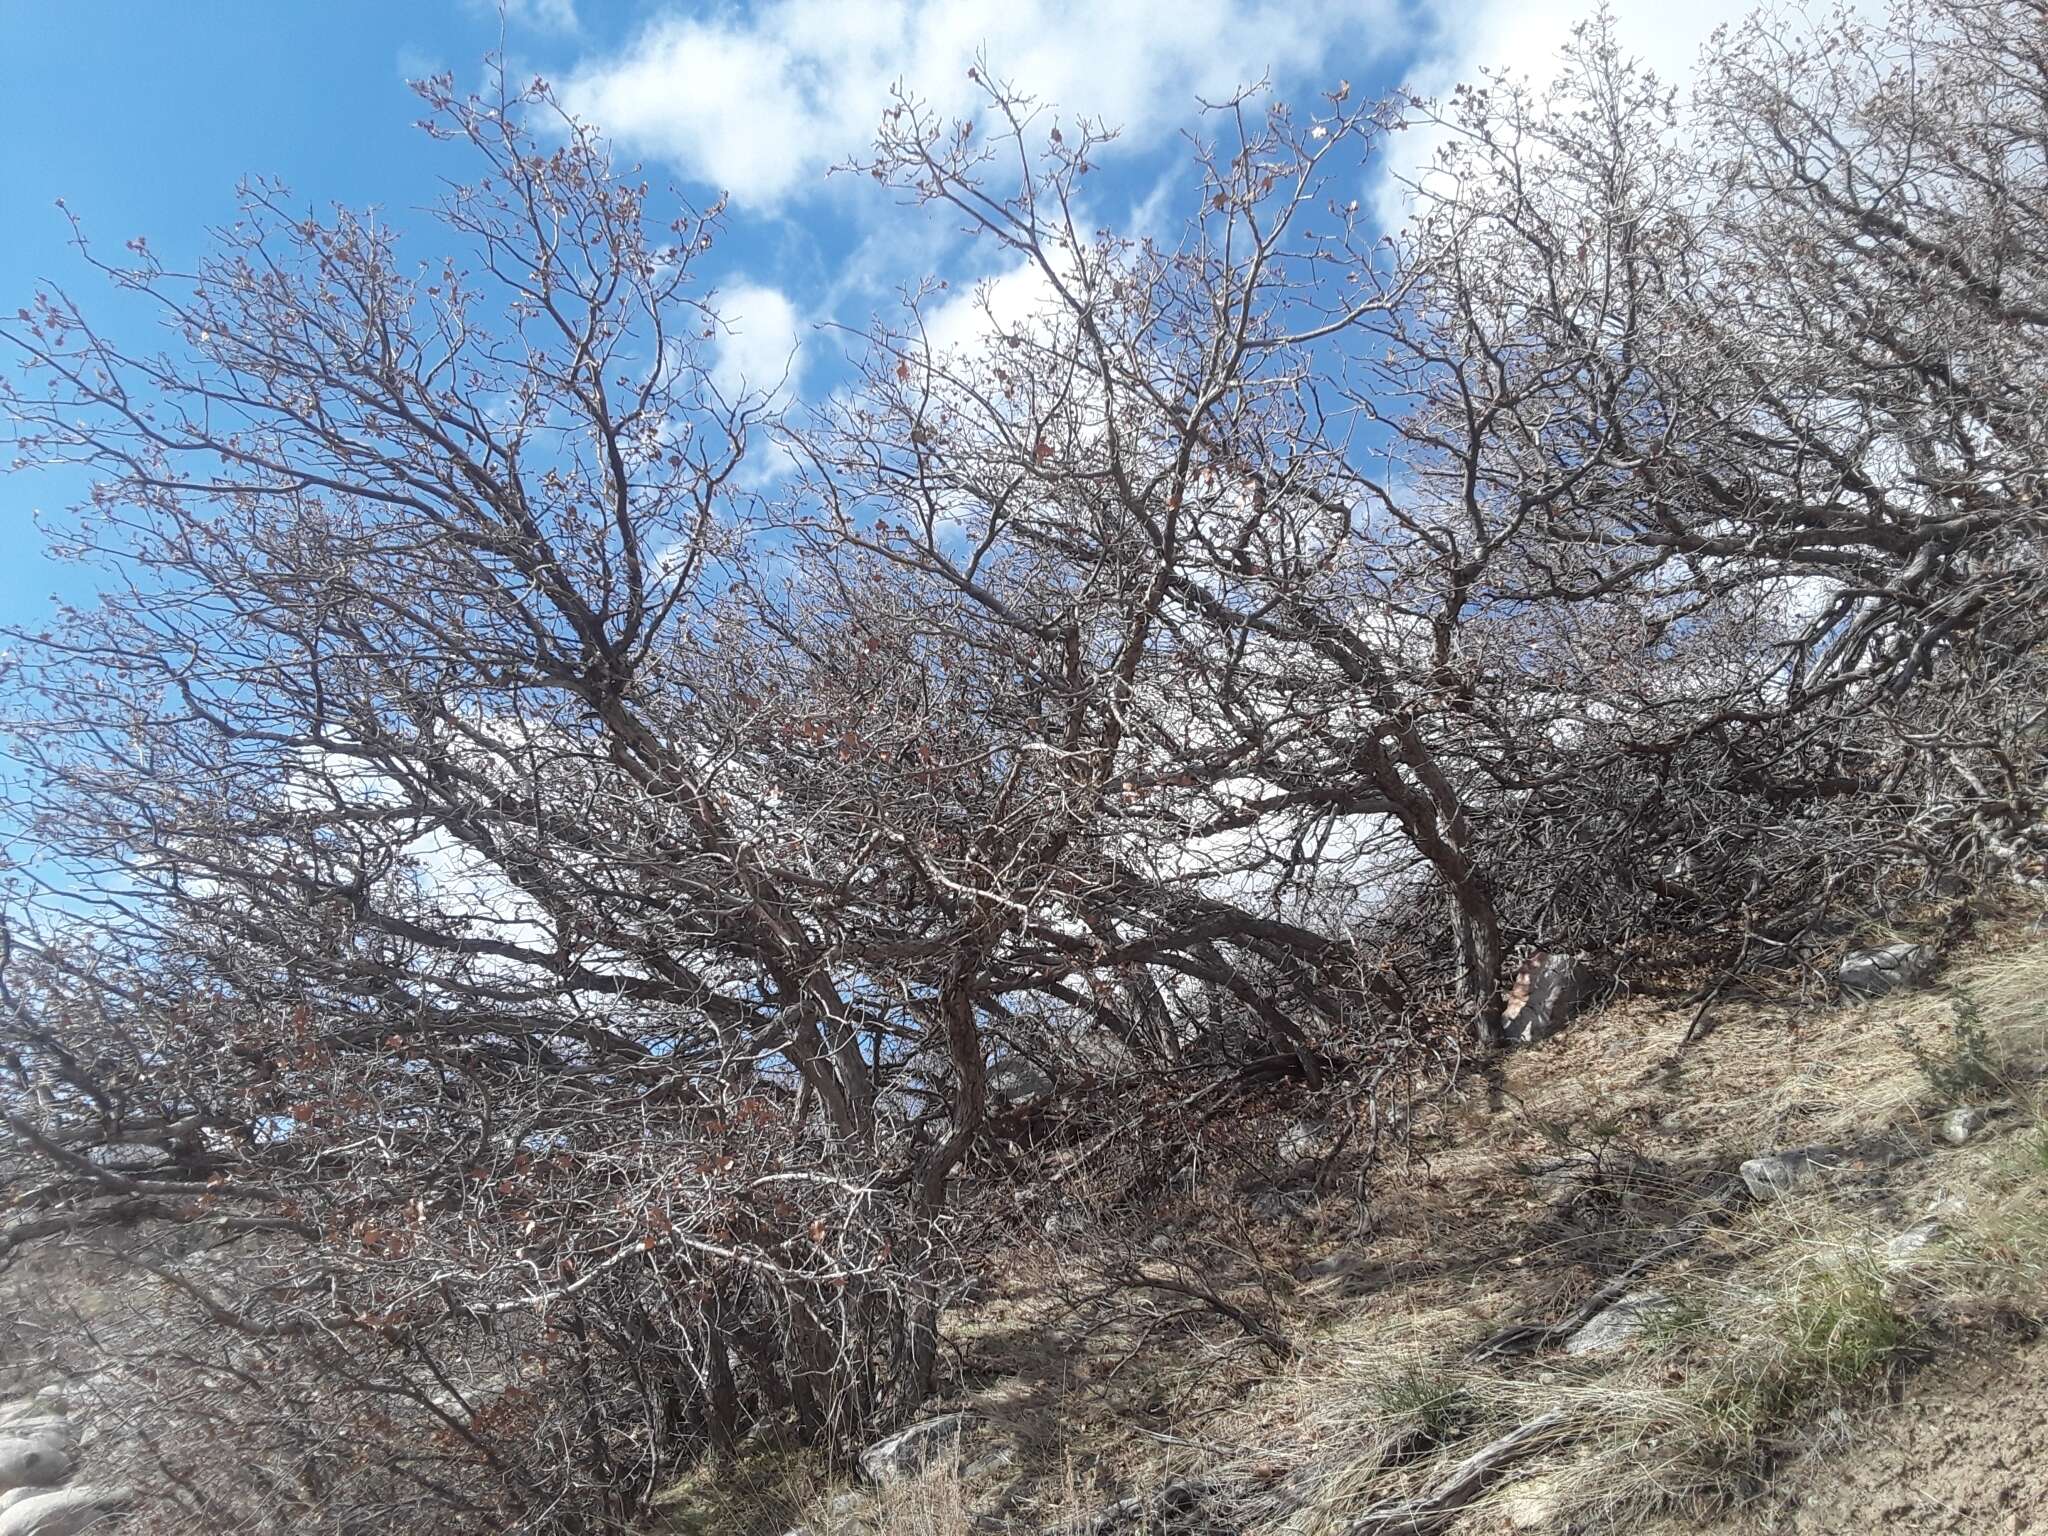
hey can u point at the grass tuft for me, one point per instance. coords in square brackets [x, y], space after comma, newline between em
[1431, 1402]
[1963, 1062]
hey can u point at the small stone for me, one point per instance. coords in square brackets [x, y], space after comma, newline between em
[1868, 973]
[1618, 1324]
[1779, 1173]
[1305, 1141]
[1066, 1220]
[913, 1450]
[1959, 1125]
[1902, 1249]
[1535, 1504]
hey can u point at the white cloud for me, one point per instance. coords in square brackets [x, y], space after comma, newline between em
[546, 15]
[1010, 301]
[1525, 37]
[759, 346]
[762, 103]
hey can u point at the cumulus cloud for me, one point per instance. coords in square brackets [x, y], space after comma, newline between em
[760, 104]
[1456, 43]
[1009, 301]
[759, 346]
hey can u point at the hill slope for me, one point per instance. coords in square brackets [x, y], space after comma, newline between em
[1566, 1309]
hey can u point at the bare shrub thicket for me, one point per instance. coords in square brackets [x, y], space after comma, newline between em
[531, 919]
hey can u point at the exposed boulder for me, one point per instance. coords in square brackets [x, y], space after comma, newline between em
[1868, 973]
[66, 1511]
[1618, 1324]
[37, 1420]
[1548, 991]
[1779, 1173]
[60, 1430]
[38, 1460]
[912, 1450]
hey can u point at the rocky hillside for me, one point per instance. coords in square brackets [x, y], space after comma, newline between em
[1786, 1274]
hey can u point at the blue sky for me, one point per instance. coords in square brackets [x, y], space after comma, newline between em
[142, 116]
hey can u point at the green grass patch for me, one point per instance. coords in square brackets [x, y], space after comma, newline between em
[1833, 1333]
[1435, 1404]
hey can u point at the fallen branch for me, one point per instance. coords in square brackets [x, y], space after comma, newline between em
[1435, 1509]
[1527, 1338]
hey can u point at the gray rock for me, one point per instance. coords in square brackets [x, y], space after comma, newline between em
[51, 1428]
[846, 1505]
[911, 1451]
[1959, 1125]
[66, 1512]
[1305, 1141]
[39, 1460]
[1017, 1081]
[1548, 991]
[1868, 973]
[1066, 1219]
[1614, 1326]
[129, 1157]
[1779, 1173]
[1905, 1247]
[44, 1402]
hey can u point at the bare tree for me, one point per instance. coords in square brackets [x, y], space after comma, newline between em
[549, 960]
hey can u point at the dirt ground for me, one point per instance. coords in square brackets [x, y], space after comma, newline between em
[1963, 1452]
[1517, 1204]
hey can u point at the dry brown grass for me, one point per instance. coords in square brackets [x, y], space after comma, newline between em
[1785, 1319]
